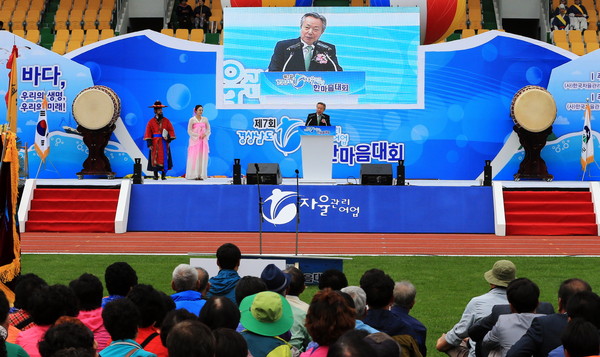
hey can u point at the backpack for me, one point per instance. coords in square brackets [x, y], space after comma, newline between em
[284, 350]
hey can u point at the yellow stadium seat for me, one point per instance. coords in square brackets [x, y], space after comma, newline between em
[62, 35]
[197, 35]
[59, 47]
[168, 32]
[575, 36]
[107, 33]
[92, 35]
[357, 3]
[559, 36]
[75, 19]
[108, 4]
[73, 45]
[182, 34]
[65, 4]
[18, 19]
[578, 48]
[33, 18]
[77, 35]
[563, 45]
[468, 33]
[33, 35]
[79, 5]
[590, 36]
[20, 33]
[480, 31]
[9, 6]
[592, 46]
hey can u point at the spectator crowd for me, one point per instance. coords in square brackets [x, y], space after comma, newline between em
[231, 316]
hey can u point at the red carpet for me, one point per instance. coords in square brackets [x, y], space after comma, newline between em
[549, 213]
[73, 210]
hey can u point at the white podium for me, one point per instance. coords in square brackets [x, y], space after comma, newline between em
[316, 143]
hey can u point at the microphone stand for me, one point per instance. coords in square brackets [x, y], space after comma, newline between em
[297, 208]
[260, 211]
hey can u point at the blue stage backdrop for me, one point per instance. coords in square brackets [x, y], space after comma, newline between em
[343, 208]
[463, 119]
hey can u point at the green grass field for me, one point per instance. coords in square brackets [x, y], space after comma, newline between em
[444, 284]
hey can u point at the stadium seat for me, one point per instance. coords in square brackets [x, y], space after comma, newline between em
[79, 5]
[59, 47]
[18, 19]
[108, 4]
[33, 36]
[578, 48]
[593, 46]
[62, 35]
[563, 45]
[92, 35]
[20, 33]
[559, 36]
[468, 33]
[575, 36]
[197, 35]
[77, 36]
[590, 36]
[73, 45]
[183, 34]
[106, 33]
[89, 18]
[75, 19]
[357, 3]
[168, 32]
[480, 31]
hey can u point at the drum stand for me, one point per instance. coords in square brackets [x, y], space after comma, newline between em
[96, 140]
[533, 167]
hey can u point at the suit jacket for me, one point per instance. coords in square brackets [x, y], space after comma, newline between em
[311, 120]
[542, 337]
[485, 325]
[324, 57]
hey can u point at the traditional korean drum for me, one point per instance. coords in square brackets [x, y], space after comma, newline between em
[533, 108]
[96, 107]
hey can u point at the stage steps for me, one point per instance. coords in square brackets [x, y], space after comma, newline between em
[73, 209]
[550, 213]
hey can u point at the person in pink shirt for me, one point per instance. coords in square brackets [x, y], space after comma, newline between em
[47, 305]
[88, 289]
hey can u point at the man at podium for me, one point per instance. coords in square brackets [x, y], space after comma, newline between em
[319, 118]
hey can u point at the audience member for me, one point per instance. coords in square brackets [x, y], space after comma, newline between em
[452, 342]
[579, 16]
[74, 352]
[329, 317]
[229, 343]
[404, 300]
[171, 319]
[88, 289]
[185, 285]
[68, 334]
[333, 279]
[219, 312]
[583, 305]
[121, 318]
[152, 311]
[383, 344]
[379, 288]
[47, 305]
[581, 339]
[191, 338]
[20, 316]
[119, 278]
[557, 9]
[544, 333]
[279, 282]
[203, 284]
[523, 297]
[297, 286]
[184, 14]
[352, 344]
[202, 16]
[360, 306]
[10, 348]
[248, 285]
[561, 21]
[228, 261]
[265, 316]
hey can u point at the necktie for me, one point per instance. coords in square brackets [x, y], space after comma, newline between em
[318, 120]
[307, 57]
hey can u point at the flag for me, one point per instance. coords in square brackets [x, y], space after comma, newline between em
[11, 94]
[42, 144]
[587, 140]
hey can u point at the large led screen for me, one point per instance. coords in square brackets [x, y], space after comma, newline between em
[360, 57]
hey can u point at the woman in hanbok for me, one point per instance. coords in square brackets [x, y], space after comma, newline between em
[199, 132]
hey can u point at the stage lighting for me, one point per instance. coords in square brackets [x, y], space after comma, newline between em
[400, 174]
[237, 172]
[487, 173]
[137, 171]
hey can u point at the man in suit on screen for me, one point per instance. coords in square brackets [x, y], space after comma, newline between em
[319, 118]
[306, 53]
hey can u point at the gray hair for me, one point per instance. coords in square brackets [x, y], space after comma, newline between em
[316, 16]
[185, 277]
[360, 299]
[404, 294]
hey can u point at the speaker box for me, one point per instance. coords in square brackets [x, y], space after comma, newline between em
[376, 174]
[487, 173]
[269, 174]
[237, 172]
